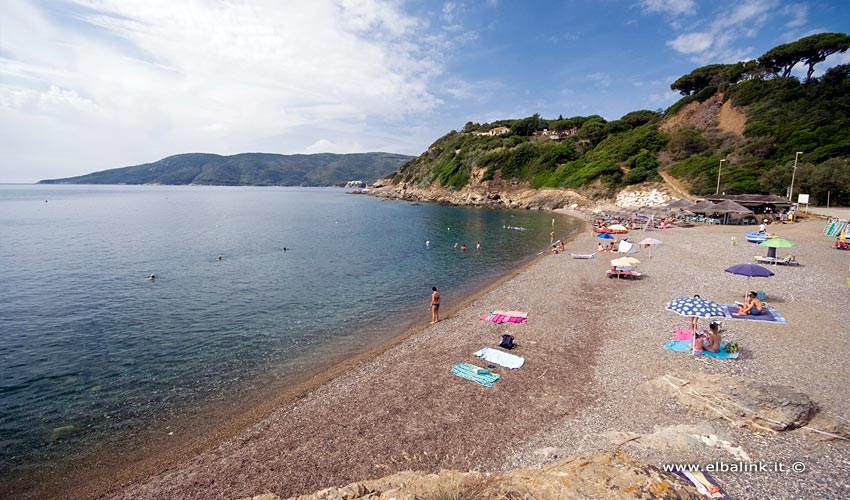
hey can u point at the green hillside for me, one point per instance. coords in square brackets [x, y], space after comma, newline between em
[597, 157]
[249, 169]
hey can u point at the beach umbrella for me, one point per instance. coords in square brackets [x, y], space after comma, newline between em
[750, 271]
[618, 227]
[649, 242]
[606, 236]
[696, 307]
[773, 244]
[623, 262]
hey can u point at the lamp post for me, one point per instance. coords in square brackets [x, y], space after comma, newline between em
[717, 191]
[793, 173]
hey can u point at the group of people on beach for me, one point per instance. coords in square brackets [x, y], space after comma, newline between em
[709, 340]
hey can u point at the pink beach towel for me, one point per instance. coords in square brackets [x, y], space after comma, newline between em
[502, 316]
[683, 334]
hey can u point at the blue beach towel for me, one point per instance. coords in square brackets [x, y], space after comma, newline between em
[476, 374]
[685, 346]
[769, 315]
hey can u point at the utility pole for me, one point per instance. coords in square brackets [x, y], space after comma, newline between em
[717, 191]
[794, 172]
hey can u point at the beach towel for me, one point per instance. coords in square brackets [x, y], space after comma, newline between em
[476, 374]
[769, 315]
[500, 358]
[704, 485]
[502, 316]
[680, 334]
[686, 346]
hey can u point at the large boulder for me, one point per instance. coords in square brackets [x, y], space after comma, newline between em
[775, 407]
[605, 476]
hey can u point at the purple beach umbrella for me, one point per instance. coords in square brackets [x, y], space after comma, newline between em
[750, 271]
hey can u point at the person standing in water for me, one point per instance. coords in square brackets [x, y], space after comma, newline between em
[435, 305]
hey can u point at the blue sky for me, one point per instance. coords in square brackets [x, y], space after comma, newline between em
[87, 85]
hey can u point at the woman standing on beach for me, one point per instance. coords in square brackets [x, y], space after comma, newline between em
[435, 305]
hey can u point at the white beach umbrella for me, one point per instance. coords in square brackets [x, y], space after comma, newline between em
[650, 242]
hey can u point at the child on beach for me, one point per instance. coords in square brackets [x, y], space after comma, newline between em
[711, 339]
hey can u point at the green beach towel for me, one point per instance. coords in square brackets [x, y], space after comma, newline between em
[476, 374]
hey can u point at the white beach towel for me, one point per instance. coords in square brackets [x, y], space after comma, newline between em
[500, 358]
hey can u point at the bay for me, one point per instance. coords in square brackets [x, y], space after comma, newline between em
[91, 351]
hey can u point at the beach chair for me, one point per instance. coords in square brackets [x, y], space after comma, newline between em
[787, 261]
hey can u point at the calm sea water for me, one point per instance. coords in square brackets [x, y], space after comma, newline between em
[92, 351]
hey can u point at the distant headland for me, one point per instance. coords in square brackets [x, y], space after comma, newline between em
[249, 169]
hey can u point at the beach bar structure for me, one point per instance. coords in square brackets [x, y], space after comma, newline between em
[724, 212]
[758, 203]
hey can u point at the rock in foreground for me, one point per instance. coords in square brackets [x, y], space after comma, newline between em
[605, 476]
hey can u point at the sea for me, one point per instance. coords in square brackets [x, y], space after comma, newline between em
[255, 287]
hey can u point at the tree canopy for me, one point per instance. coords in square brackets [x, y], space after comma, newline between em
[810, 50]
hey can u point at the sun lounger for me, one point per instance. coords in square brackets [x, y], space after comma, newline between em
[583, 255]
[787, 261]
[623, 273]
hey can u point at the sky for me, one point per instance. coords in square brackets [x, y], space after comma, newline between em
[88, 85]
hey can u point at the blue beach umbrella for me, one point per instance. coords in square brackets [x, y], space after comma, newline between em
[696, 307]
[605, 236]
[750, 271]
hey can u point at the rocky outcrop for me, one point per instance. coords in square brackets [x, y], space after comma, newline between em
[642, 198]
[605, 476]
[490, 194]
[754, 404]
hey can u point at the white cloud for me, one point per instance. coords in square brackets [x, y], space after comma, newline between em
[670, 8]
[691, 42]
[328, 146]
[748, 16]
[449, 12]
[600, 80]
[162, 77]
[798, 14]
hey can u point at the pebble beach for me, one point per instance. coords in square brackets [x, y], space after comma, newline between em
[593, 348]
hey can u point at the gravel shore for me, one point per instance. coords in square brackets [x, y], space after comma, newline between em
[591, 346]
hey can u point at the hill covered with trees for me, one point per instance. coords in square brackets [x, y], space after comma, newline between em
[249, 169]
[782, 115]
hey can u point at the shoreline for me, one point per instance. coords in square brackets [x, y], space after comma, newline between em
[163, 454]
[592, 347]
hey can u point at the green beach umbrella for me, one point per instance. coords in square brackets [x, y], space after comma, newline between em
[773, 244]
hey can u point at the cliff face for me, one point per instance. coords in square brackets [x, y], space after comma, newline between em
[713, 112]
[496, 193]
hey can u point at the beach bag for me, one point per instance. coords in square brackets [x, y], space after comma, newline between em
[507, 341]
[732, 347]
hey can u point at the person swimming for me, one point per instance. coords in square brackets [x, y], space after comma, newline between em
[152, 277]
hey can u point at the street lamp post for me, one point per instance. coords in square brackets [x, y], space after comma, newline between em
[717, 191]
[793, 173]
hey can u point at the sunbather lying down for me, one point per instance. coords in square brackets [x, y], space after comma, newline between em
[753, 306]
